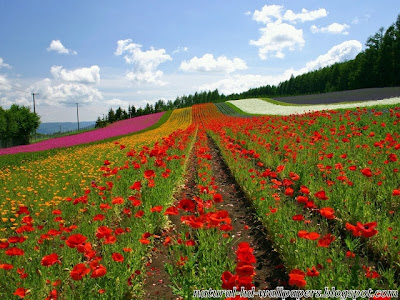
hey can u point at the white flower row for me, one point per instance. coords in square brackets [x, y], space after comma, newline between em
[258, 106]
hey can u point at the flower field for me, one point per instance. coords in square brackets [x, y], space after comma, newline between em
[325, 185]
[115, 129]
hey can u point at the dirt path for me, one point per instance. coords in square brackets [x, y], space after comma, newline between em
[246, 228]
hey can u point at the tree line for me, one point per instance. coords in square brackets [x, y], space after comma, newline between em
[17, 124]
[377, 66]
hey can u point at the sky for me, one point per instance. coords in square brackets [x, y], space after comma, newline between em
[106, 54]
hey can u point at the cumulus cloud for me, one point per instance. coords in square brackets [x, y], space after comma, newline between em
[305, 15]
[270, 13]
[82, 75]
[56, 93]
[339, 53]
[240, 83]
[334, 28]
[180, 49]
[4, 83]
[207, 63]
[116, 102]
[145, 63]
[58, 47]
[277, 37]
[3, 64]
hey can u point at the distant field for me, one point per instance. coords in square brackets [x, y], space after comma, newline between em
[344, 96]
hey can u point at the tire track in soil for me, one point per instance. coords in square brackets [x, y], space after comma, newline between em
[269, 269]
[158, 282]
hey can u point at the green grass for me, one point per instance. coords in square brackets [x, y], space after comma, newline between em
[43, 137]
[20, 158]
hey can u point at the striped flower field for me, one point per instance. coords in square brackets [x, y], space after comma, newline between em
[102, 221]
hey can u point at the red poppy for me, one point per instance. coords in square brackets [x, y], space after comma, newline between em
[107, 162]
[217, 198]
[149, 174]
[304, 189]
[117, 257]
[367, 229]
[6, 266]
[139, 214]
[187, 205]
[302, 233]
[14, 251]
[289, 191]
[327, 212]
[296, 277]
[298, 218]
[302, 199]
[21, 292]
[136, 186]
[354, 229]
[135, 202]
[49, 260]
[326, 240]
[313, 272]
[98, 270]
[321, 195]
[167, 241]
[228, 280]
[4, 245]
[244, 269]
[99, 217]
[172, 211]
[103, 231]
[366, 172]
[312, 236]
[156, 208]
[117, 200]
[245, 282]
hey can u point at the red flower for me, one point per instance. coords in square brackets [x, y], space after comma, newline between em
[313, 272]
[156, 208]
[172, 210]
[149, 174]
[228, 280]
[327, 212]
[217, 198]
[321, 195]
[14, 251]
[136, 186]
[75, 240]
[98, 270]
[367, 229]
[296, 277]
[366, 172]
[354, 229]
[6, 266]
[187, 205]
[244, 269]
[326, 240]
[107, 162]
[312, 236]
[21, 292]
[117, 257]
[304, 190]
[298, 218]
[99, 217]
[50, 260]
[117, 200]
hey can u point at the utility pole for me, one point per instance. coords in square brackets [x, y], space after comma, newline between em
[34, 105]
[77, 113]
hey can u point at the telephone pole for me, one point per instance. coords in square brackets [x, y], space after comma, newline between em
[77, 113]
[34, 105]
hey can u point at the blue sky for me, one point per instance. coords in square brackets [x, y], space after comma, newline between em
[106, 54]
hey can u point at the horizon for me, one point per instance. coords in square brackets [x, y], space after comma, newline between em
[107, 55]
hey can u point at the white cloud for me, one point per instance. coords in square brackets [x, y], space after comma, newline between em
[334, 28]
[58, 47]
[4, 83]
[305, 15]
[339, 53]
[240, 83]
[58, 93]
[270, 13]
[267, 13]
[145, 62]
[3, 64]
[277, 37]
[82, 75]
[180, 49]
[115, 102]
[208, 63]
